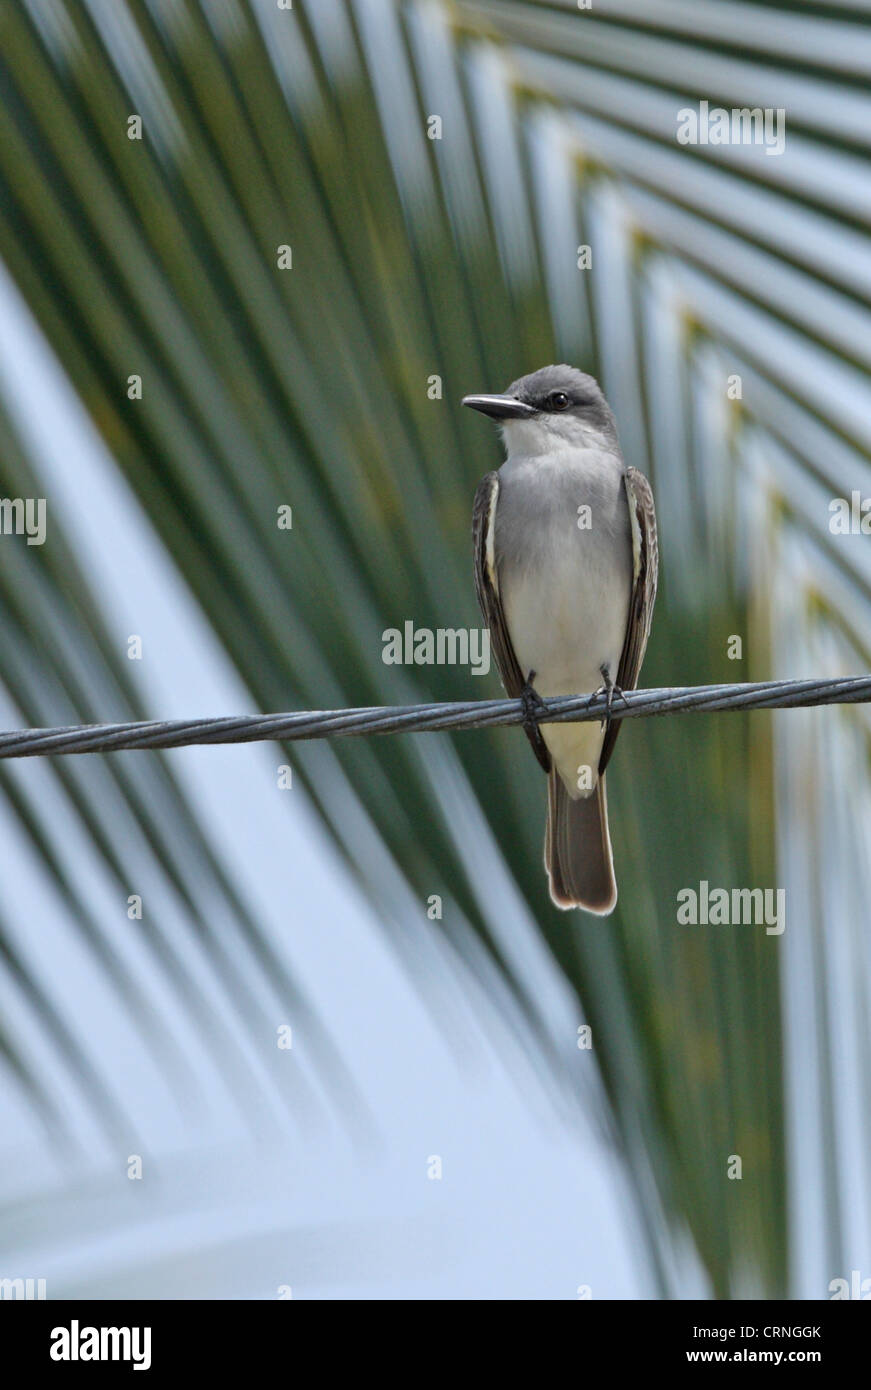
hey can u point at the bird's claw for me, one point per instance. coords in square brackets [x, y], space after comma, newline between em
[610, 691]
[533, 705]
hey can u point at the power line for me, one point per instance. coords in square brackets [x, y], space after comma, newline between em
[455, 714]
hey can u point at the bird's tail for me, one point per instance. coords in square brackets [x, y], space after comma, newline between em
[577, 849]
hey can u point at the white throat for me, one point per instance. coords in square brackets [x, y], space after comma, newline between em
[545, 434]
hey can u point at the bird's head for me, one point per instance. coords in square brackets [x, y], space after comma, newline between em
[555, 407]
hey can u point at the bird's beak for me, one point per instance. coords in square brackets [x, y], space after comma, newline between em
[499, 407]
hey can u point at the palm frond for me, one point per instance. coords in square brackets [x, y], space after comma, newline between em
[455, 258]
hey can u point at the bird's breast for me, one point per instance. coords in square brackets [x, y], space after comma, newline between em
[564, 559]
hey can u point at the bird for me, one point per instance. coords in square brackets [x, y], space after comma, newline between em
[566, 564]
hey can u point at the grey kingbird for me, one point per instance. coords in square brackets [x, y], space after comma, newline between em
[565, 568]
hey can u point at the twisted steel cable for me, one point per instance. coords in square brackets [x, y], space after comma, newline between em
[455, 714]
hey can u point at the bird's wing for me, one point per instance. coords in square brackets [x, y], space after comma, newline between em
[487, 586]
[645, 566]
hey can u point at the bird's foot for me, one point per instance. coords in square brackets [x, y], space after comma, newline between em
[533, 706]
[611, 691]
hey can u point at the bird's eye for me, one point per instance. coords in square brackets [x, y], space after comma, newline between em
[558, 400]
